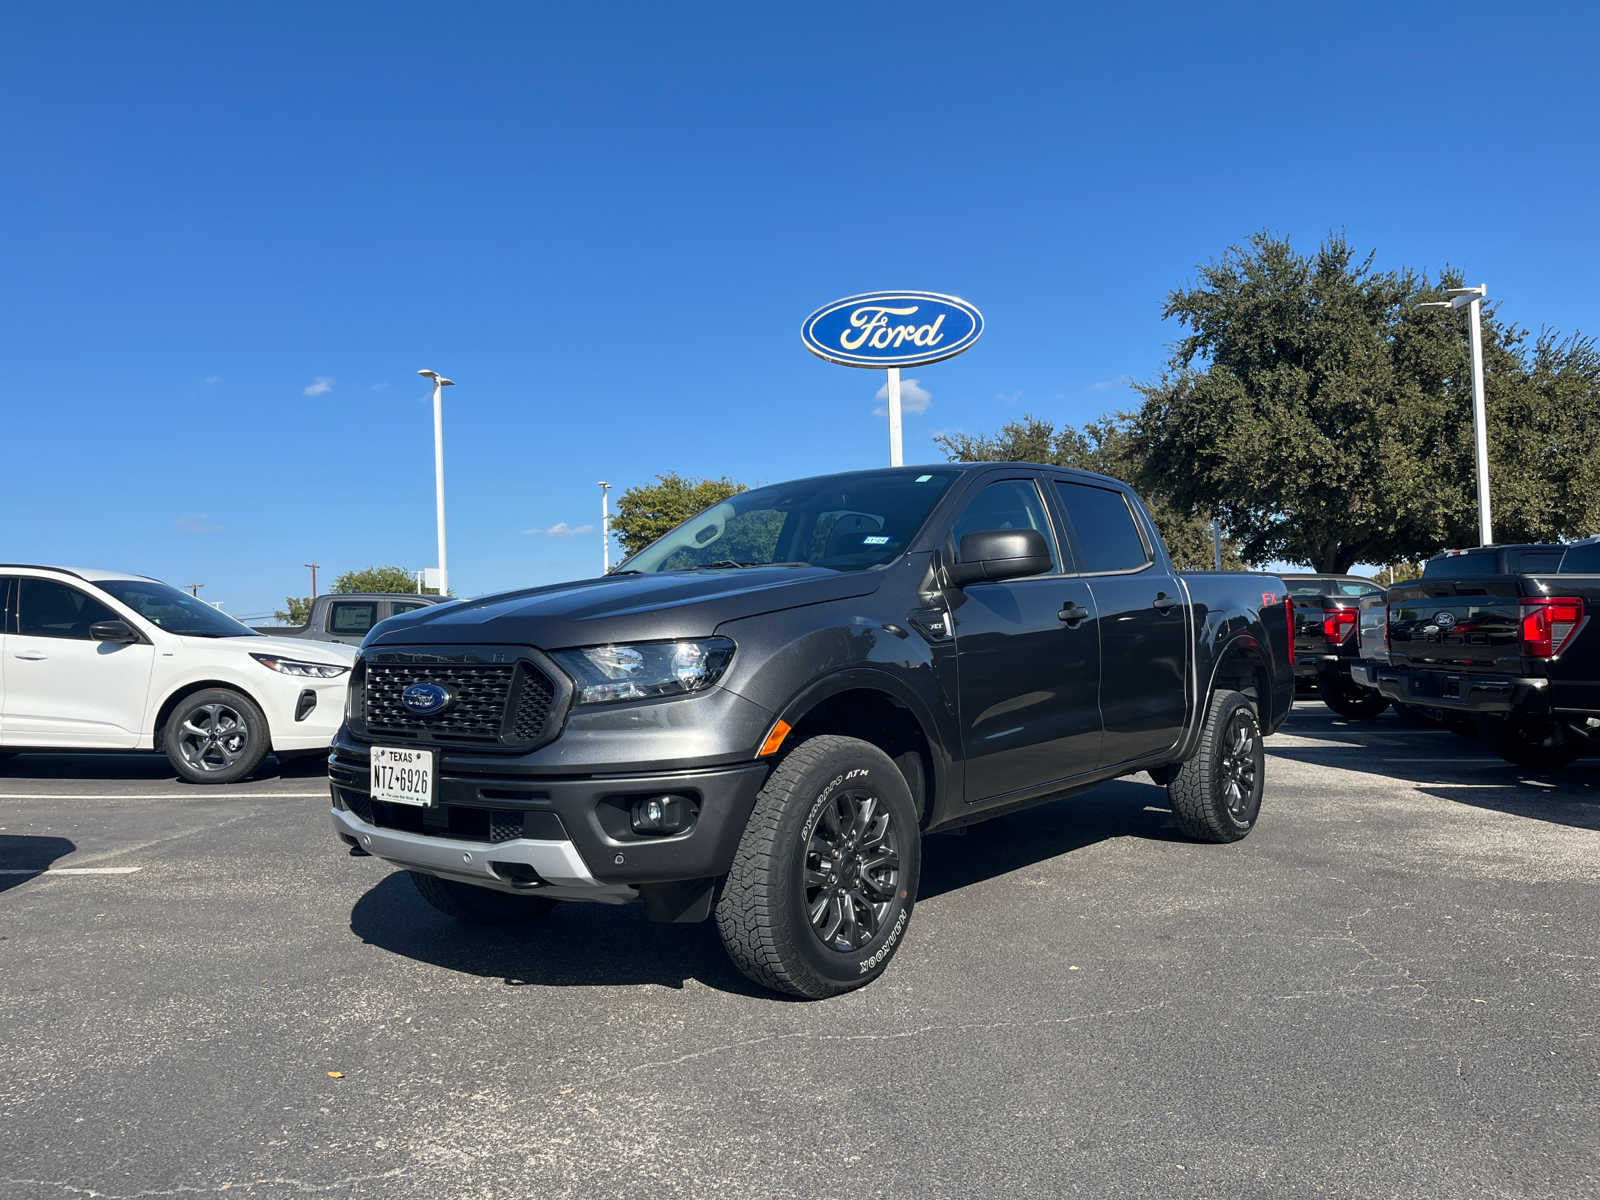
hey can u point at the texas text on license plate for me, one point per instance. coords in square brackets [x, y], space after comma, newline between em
[402, 776]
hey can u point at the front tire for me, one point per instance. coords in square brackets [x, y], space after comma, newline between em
[479, 906]
[825, 877]
[1349, 699]
[215, 736]
[1216, 794]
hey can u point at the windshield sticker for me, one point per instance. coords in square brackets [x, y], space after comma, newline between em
[876, 539]
[924, 478]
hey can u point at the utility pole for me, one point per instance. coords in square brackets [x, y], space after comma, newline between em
[194, 589]
[313, 567]
[439, 384]
[1472, 298]
[605, 527]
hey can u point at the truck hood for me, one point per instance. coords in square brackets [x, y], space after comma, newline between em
[619, 608]
[302, 649]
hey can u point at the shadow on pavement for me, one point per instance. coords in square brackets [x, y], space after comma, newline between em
[1448, 766]
[1121, 808]
[30, 855]
[141, 765]
[578, 945]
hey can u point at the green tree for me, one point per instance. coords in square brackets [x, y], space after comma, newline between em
[378, 579]
[1327, 419]
[296, 610]
[647, 511]
[1398, 573]
[1106, 446]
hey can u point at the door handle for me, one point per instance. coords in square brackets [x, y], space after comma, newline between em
[1163, 602]
[29, 656]
[1072, 614]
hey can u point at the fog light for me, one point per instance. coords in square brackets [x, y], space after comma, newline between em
[662, 814]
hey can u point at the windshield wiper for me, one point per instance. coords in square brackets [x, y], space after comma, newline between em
[725, 562]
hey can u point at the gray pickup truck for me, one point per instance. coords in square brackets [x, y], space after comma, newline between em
[348, 616]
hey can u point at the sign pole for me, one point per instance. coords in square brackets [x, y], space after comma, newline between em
[895, 458]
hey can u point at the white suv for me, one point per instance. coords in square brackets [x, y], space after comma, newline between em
[97, 660]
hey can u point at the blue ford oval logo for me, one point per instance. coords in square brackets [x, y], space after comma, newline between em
[424, 699]
[891, 329]
[1444, 620]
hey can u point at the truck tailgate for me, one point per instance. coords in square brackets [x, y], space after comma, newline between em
[1493, 625]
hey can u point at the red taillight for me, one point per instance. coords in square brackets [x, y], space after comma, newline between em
[1338, 624]
[1549, 623]
[1288, 621]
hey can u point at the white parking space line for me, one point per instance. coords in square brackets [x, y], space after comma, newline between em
[73, 871]
[198, 793]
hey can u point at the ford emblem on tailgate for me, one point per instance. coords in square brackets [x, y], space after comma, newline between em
[425, 699]
[1444, 620]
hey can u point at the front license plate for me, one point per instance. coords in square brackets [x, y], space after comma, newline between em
[402, 776]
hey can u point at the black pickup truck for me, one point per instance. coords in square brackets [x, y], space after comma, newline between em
[762, 713]
[1327, 612]
[1500, 634]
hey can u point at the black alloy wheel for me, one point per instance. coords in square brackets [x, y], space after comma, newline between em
[852, 869]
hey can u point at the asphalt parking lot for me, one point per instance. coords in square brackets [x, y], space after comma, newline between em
[1389, 989]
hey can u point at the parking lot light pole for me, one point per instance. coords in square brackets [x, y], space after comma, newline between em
[1471, 298]
[605, 527]
[439, 384]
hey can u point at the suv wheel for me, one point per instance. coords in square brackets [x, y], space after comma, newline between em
[215, 736]
[476, 905]
[1216, 794]
[825, 876]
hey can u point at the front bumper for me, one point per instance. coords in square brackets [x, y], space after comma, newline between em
[1429, 687]
[303, 714]
[514, 831]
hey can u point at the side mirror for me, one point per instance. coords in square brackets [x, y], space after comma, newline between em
[113, 631]
[995, 554]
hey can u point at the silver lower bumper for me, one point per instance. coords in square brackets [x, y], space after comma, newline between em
[557, 863]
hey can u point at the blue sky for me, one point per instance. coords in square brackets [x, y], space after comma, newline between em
[232, 234]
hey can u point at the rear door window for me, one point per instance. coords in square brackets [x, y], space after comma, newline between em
[352, 616]
[1581, 560]
[1108, 538]
[404, 606]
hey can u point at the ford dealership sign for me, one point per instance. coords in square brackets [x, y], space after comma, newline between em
[891, 329]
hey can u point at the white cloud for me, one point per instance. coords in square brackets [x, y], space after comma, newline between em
[320, 386]
[1102, 385]
[213, 378]
[914, 398]
[196, 523]
[1009, 397]
[559, 529]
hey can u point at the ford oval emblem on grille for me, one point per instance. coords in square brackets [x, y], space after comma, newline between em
[425, 699]
[1444, 620]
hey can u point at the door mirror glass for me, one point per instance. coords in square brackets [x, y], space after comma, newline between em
[112, 631]
[990, 555]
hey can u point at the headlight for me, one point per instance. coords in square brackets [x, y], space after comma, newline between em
[643, 670]
[301, 670]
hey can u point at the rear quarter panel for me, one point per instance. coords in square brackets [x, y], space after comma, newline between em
[1237, 612]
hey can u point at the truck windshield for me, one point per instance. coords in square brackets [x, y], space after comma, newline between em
[165, 607]
[844, 522]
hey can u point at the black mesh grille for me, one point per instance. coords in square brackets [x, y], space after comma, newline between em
[503, 826]
[510, 704]
[537, 696]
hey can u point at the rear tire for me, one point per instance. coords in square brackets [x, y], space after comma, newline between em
[825, 877]
[1216, 794]
[1349, 699]
[479, 906]
[215, 736]
[1536, 745]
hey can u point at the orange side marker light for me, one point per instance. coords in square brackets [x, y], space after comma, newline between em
[774, 739]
